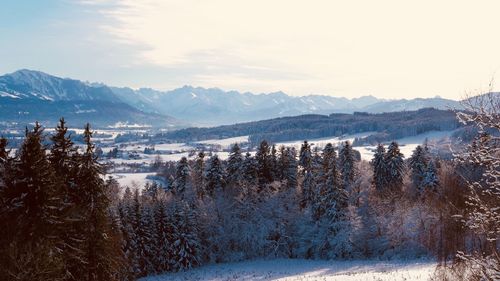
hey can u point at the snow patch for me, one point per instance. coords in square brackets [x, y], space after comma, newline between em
[298, 269]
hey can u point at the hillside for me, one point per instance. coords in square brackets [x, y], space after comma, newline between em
[388, 126]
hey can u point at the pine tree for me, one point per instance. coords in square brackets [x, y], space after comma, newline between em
[3, 150]
[331, 196]
[163, 241]
[273, 160]
[380, 173]
[395, 167]
[29, 214]
[214, 175]
[186, 242]
[418, 164]
[305, 157]
[430, 179]
[291, 168]
[147, 240]
[234, 164]
[249, 169]
[181, 177]
[98, 249]
[264, 165]
[347, 163]
[63, 158]
[198, 174]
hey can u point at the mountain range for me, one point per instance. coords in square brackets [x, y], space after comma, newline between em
[28, 95]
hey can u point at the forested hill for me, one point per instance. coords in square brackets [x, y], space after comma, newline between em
[388, 126]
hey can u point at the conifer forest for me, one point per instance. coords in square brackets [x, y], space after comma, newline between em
[62, 219]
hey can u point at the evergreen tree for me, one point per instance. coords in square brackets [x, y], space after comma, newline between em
[418, 164]
[148, 237]
[395, 167]
[181, 176]
[234, 164]
[214, 175]
[380, 174]
[186, 242]
[305, 157]
[264, 165]
[163, 239]
[29, 216]
[3, 150]
[274, 162]
[331, 197]
[99, 261]
[249, 169]
[430, 179]
[63, 158]
[198, 174]
[347, 162]
[291, 168]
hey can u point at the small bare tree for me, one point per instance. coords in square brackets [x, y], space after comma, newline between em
[483, 213]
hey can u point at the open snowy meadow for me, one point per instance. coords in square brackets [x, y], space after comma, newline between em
[298, 269]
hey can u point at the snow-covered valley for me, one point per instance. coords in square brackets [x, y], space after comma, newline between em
[303, 270]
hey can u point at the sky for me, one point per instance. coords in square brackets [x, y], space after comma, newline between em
[389, 49]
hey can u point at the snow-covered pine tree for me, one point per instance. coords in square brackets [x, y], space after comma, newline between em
[214, 176]
[29, 214]
[249, 169]
[4, 153]
[331, 238]
[395, 167]
[347, 163]
[264, 165]
[148, 237]
[63, 158]
[430, 180]
[418, 164]
[273, 160]
[291, 168]
[234, 164]
[379, 167]
[198, 174]
[163, 241]
[181, 177]
[186, 243]
[305, 157]
[100, 262]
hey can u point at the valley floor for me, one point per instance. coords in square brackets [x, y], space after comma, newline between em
[297, 269]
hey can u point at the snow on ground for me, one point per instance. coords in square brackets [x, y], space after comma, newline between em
[321, 142]
[297, 269]
[173, 147]
[226, 143]
[131, 179]
[406, 145]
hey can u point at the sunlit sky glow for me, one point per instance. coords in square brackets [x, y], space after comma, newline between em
[389, 49]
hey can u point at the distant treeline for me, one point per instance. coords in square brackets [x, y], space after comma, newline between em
[391, 125]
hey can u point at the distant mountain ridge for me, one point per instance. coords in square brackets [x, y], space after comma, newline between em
[197, 105]
[27, 96]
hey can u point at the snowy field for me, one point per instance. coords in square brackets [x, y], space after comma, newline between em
[288, 269]
[131, 179]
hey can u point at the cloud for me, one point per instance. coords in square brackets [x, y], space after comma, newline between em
[386, 48]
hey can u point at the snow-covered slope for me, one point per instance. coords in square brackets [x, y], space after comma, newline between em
[38, 85]
[27, 96]
[285, 269]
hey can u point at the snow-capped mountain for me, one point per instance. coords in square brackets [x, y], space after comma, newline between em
[199, 106]
[214, 106]
[26, 96]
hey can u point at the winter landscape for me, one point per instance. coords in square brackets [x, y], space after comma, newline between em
[265, 140]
